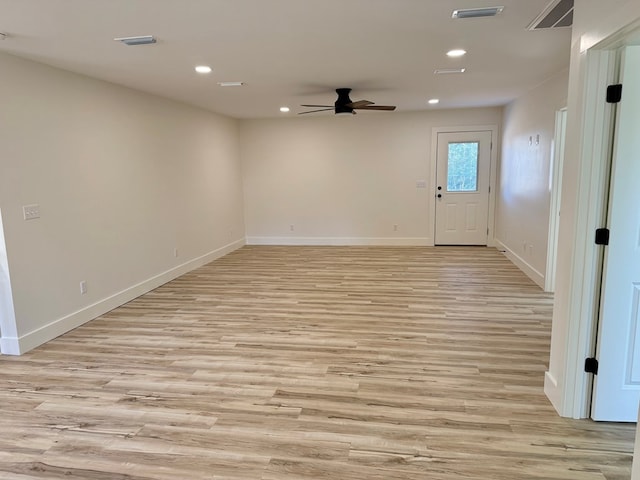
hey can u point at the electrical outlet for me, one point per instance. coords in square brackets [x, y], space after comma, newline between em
[83, 287]
[31, 212]
[395, 227]
[175, 252]
[291, 227]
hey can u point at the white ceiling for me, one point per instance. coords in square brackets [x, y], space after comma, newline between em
[289, 52]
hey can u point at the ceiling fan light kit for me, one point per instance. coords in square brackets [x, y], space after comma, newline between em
[345, 106]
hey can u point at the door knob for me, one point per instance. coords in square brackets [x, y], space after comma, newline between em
[439, 187]
[439, 195]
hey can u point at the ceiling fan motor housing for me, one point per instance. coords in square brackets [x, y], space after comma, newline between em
[343, 100]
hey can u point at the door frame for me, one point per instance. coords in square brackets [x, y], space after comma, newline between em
[493, 163]
[555, 177]
[7, 312]
[596, 142]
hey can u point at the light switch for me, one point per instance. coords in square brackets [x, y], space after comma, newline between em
[31, 211]
[421, 184]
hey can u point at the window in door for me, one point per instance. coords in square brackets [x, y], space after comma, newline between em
[462, 167]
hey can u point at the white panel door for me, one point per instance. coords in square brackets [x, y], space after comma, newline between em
[463, 161]
[617, 385]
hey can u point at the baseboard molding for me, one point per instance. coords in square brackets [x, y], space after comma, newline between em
[552, 392]
[22, 344]
[519, 262]
[341, 241]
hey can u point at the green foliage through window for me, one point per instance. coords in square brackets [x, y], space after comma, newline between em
[462, 168]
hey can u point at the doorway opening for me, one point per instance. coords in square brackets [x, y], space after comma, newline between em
[555, 188]
[7, 314]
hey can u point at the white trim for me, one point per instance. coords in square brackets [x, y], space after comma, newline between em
[551, 389]
[555, 176]
[574, 397]
[491, 239]
[342, 241]
[522, 264]
[24, 343]
[7, 310]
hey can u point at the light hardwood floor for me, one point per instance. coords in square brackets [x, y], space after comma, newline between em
[283, 363]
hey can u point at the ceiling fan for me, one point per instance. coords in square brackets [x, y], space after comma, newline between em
[344, 105]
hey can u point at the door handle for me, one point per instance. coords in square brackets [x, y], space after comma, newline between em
[439, 195]
[439, 187]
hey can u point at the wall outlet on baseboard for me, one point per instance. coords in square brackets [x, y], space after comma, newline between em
[83, 287]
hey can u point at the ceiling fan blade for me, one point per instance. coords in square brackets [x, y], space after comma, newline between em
[318, 106]
[359, 104]
[377, 107]
[314, 111]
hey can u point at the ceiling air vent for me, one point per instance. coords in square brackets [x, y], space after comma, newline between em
[559, 13]
[477, 12]
[141, 40]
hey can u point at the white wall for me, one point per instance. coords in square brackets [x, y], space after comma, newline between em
[565, 382]
[522, 217]
[122, 179]
[344, 180]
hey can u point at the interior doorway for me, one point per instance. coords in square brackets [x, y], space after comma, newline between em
[555, 188]
[616, 387]
[7, 315]
[580, 307]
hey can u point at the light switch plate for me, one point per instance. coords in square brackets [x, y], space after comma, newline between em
[421, 184]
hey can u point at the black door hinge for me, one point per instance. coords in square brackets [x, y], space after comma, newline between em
[602, 236]
[591, 365]
[614, 93]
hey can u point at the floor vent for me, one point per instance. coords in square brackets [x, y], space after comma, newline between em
[559, 13]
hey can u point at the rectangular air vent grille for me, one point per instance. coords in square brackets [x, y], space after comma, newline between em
[477, 12]
[558, 13]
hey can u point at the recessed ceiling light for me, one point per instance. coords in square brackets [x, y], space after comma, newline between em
[284, 109]
[477, 12]
[445, 71]
[230, 84]
[203, 69]
[434, 101]
[458, 52]
[141, 40]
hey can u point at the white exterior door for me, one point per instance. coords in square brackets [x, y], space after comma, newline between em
[617, 385]
[463, 162]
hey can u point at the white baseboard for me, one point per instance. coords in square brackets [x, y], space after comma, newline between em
[24, 343]
[552, 392]
[341, 241]
[519, 262]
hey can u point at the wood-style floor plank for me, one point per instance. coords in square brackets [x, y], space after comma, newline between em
[289, 363]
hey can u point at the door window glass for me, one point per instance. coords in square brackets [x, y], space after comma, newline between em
[462, 167]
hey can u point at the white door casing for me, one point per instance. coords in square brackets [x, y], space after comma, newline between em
[462, 206]
[555, 179]
[616, 390]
